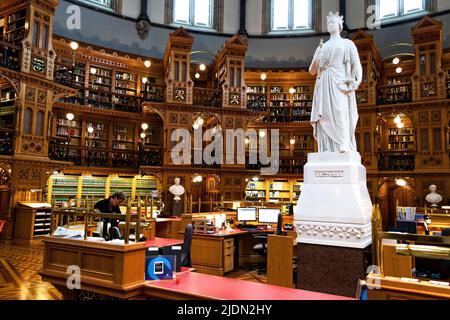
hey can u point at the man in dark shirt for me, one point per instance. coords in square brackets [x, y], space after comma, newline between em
[110, 205]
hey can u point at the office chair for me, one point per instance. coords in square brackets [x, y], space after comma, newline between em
[115, 233]
[186, 252]
[261, 248]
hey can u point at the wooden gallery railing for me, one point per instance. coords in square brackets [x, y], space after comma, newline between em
[89, 215]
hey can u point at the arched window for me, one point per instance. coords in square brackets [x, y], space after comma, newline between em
[396, 8]
[193, 12]
[291, 14]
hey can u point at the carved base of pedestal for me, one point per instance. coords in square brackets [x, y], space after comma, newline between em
[333, 270]
[176, 211]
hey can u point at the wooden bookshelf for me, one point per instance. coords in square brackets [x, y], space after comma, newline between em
[93, 187]
[126, 92]
[100, 88]
[257, 98]
[401, 139]
[64, 187]
[279, 105]
[302, 103]
[146, 186]
[298, 184]
[121, 184]
[397, 90]
[152, 91]
[273, 190]
[280, 191]
[15, 24]
[256, 191]
[7, 106]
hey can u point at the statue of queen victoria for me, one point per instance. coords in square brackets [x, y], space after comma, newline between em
[339, 74]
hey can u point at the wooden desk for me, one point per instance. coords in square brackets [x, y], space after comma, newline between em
[168, 228]
[163, 242]
[218, 253]
[215, 254]
[191, 285]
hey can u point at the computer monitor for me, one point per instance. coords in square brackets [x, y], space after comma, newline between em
[246, 214]
[267, 215]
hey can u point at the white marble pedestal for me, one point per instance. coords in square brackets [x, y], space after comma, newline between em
[334, 208]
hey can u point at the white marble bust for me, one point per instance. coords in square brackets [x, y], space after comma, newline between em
[433, 197]
[339, 74]
[177, 190]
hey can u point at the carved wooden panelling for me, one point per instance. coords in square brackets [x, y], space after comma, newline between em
[42, 97]
[30, 94]
[183, 118]
[423, 117]
[173, 118]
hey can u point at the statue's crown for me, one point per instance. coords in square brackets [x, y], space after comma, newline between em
[335, 15]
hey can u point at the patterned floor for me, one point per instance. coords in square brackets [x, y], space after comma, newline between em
[19, 278]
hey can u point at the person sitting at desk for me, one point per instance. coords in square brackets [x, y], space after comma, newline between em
[110, 205]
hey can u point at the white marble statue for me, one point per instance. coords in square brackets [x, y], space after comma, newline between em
[339, 74]
[433, 197]
[177, 190]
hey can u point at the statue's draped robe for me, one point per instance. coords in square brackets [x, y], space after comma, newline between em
[334, 113]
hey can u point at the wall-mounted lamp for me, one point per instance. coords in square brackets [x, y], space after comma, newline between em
[399, 70]
[396, 60]
[263, 76]
[93, 70]
[147, 64]
[292, 90]
[401, 182]
[74, 45]
[70, 116]
[202, 67]
[144, 126]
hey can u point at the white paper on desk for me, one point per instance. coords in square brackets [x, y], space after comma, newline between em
[61, 232]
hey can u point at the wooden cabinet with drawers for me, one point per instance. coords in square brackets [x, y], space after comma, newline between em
[212, 254]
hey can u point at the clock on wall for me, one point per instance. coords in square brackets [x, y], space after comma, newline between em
[39, 65]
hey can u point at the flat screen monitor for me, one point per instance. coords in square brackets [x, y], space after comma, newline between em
[246, 214]
[268, 215]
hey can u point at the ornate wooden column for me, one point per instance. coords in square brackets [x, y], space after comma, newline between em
[229, 66]
[177, 65]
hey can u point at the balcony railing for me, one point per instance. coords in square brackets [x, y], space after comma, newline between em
[395, 93]
[6, 142]
[103, 158]
[9, 56]
[208, 97]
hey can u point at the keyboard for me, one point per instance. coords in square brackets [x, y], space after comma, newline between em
[251, 227]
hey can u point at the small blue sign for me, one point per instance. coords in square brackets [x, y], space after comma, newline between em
[159, 267]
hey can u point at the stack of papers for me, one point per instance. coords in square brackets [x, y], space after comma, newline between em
[61, 232]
